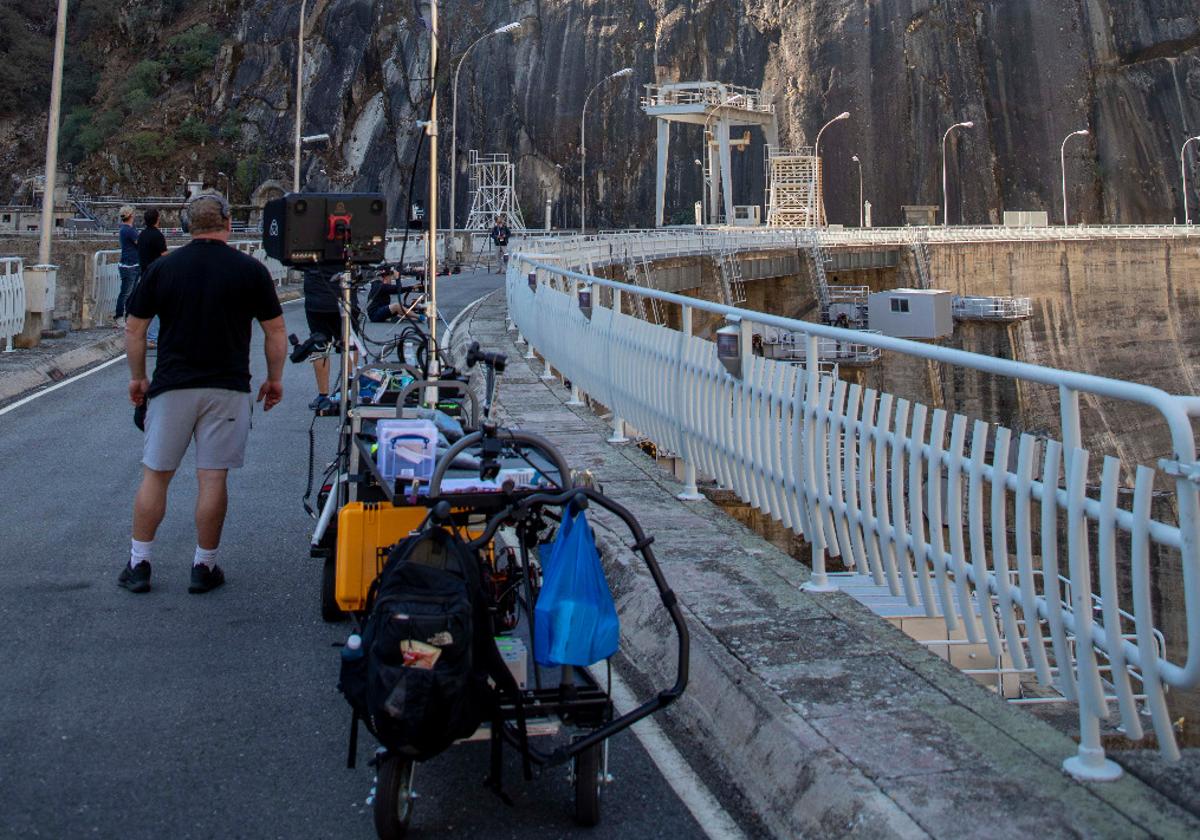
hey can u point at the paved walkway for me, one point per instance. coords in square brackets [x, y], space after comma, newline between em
[827, 720]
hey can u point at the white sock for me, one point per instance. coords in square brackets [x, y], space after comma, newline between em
[139, 552]
[205, 557]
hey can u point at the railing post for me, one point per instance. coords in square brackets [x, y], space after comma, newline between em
[618, 423]
[690, 493]
[812, 360]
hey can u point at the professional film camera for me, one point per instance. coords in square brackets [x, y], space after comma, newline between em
[305, 229]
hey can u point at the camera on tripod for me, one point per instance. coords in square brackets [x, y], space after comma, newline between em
[305, 229]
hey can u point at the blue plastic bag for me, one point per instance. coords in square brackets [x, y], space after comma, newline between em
[575, 620]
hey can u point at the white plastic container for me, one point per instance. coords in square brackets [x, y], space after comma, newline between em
[407, 449]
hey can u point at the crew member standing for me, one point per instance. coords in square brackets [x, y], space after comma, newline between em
[151, 245]
[500, 234]
[127, 265]
[322, 313]
[206, 295]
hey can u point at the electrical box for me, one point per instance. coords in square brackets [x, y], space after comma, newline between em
[912, 313]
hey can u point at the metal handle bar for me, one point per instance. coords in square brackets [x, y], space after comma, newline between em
[536, 441]
[460, 387]
[580, 497]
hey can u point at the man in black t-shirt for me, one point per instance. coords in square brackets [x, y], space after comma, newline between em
[151, 245]
[206, 295]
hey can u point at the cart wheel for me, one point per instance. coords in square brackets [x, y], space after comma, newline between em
[587, 785]
[330, 611]
[393, 798]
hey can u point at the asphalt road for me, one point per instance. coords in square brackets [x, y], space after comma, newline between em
[215, 716]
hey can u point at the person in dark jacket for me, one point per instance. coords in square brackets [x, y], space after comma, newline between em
[500, 234]
[322, 313]
[151, 245]
[127, 265]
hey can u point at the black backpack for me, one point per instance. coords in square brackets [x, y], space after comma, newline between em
[429, 595]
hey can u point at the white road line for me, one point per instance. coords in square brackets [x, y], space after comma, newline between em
[691, 790]
[56, 386]
[446, 342]
[35, 395]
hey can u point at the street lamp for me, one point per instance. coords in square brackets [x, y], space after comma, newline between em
[1187, 219]
[625, 71]
[47, 227]
[299, 97]
[945, 191]
[1083, 132]
[228, 194]
[508, 27]
[845, 115]
[860, 189]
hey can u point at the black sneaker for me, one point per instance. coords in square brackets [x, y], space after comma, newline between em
[135, 578]
[205, 578]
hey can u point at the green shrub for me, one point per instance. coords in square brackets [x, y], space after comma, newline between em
[248, 173]
[151, 145]
[231, 127]
[193, 51]
[146, 76]
[193, 131]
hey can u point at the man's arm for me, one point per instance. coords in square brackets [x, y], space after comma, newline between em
[135, 353]
[275, 349]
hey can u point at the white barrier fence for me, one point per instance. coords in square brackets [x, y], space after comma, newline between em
[12, 299]
[106, 280]
[948, 512]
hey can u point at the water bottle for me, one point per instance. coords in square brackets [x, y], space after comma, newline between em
[353, 648]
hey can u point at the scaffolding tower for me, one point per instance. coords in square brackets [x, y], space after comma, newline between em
[493, 182]
[794, 198]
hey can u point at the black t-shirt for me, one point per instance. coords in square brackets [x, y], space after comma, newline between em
[151, 245]
[320, 292]
[500, 235]
[205, 295]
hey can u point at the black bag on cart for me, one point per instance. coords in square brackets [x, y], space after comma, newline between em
[423, 683]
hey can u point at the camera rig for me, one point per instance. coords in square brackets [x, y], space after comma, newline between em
[308, 229]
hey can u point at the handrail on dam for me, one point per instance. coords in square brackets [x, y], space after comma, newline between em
[12, 299]
[948, 512]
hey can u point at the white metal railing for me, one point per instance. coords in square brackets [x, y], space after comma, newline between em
[708, 94]
[12, 299]
[942, 508]
[793, 347]
[106, 280]
[973, 308]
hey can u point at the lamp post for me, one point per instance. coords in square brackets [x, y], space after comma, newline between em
[625, 71]
[845, 115]
[228, 193]
[945, 190]
[299, 97]
[860, 189]
[1062, 154]
[508, 27]
[60, 43]
[1187, 218]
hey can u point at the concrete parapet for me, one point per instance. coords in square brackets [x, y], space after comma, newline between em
[826, 720]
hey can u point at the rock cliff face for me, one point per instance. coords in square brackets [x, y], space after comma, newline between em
[1027, 72]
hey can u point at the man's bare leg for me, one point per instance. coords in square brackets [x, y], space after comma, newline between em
[211, 504]
[150, 503]
[321, 370]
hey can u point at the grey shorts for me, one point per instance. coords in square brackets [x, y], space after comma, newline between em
[218, 420]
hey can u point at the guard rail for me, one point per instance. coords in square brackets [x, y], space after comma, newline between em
[12, 299]
[943, 509]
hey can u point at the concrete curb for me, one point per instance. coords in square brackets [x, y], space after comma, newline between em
[55, 368]
[66, 364]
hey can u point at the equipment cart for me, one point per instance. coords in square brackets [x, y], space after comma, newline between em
[502, 491]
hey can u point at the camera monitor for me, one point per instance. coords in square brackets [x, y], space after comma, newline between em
[325, 228]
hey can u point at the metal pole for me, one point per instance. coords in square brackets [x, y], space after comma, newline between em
[1187, 218]
[860, 190]
[1062, 153]
[299, 98]
[431, 238]
[945, 191]
[60, 44]
[845, 115]
[625, 71]
[454, 123]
